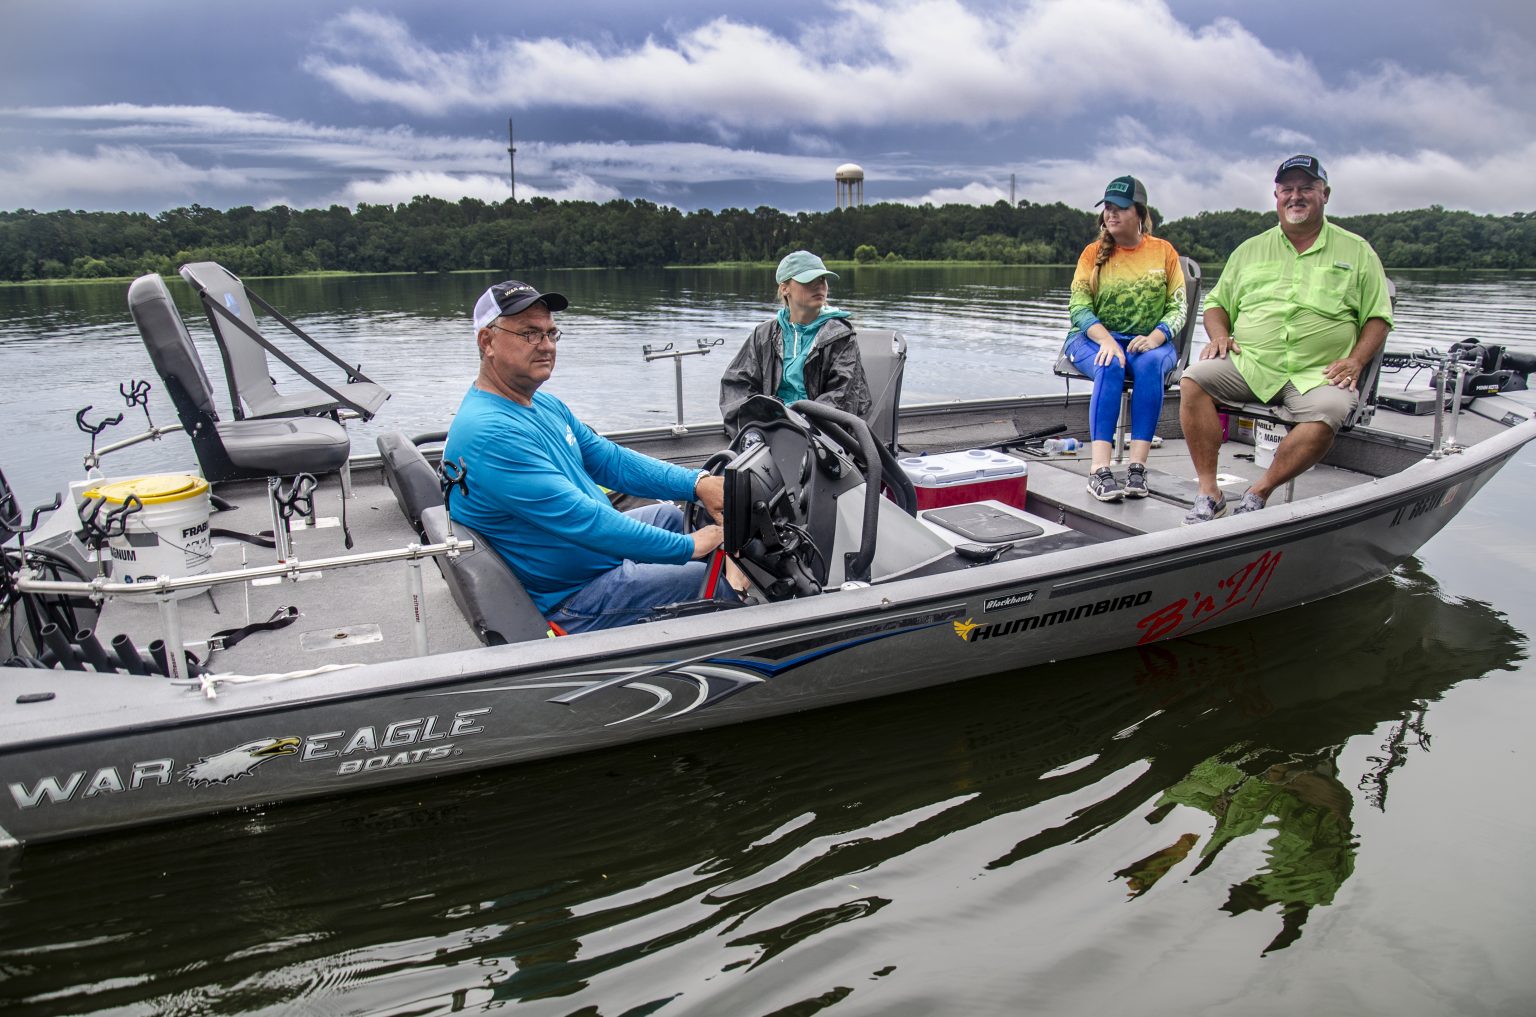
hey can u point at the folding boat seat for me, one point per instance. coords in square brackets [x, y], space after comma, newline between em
[484, 586]
[409, 475]
[233, 449]
[884, 354]
[244, 348]
[1066, 369]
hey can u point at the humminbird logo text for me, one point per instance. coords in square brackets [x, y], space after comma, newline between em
[972, 632]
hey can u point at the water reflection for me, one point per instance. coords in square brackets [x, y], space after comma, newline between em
[1300, 805]
[1280, 781]
[655, 878]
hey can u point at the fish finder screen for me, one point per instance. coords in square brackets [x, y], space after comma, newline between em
[753, 488]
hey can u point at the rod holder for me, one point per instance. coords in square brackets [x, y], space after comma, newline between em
[63, 650]
[701, 348]
[91, 649]
[128, 655]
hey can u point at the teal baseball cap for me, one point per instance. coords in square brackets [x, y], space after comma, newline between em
[1123, 192]
[802, 267]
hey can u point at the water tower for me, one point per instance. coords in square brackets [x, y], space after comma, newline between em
[850, 185]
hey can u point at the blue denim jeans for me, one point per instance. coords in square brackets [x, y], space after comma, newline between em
[1147, 371]
[628, 593]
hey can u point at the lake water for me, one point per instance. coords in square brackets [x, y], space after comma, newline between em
[1326, 811]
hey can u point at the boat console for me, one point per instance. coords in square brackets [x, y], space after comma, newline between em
[804, 511]
[781, 492]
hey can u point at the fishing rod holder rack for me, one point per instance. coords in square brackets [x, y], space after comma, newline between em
[135, 392]
[1450, 370]
[165, 589]
[702, 348]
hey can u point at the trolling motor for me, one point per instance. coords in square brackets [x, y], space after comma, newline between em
[1492, 369]
[53, 630]
[1466, 371]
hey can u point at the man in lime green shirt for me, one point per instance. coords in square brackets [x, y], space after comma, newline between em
[1299, 312]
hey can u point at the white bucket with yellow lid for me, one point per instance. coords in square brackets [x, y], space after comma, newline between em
[169, 536]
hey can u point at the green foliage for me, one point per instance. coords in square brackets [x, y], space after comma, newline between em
[1000, 248]
[433, 235]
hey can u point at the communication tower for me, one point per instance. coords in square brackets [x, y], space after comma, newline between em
[511, 159]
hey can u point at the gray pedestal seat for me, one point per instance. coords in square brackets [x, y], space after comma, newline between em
[884, 357]
[484, 586]
[227, 449]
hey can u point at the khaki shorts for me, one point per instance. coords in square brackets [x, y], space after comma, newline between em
[1223, 382]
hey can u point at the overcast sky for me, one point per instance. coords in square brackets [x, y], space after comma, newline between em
[153, 104]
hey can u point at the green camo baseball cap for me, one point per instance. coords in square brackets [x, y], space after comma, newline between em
[802, 267]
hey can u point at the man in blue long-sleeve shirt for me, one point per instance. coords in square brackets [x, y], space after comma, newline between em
[534, 470]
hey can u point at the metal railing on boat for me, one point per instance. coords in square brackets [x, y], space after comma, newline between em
[165, 588]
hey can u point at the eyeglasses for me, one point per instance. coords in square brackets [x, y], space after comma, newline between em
[534, 336]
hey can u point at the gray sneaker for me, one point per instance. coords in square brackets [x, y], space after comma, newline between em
[1205, 509]
[1136, 481]
[1103, 485]
[1250, 503]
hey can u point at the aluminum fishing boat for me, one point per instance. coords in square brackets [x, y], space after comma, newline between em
[342, 633]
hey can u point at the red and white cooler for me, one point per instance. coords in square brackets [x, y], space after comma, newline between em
[958, 478]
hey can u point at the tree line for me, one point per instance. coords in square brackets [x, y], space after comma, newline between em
[430, 234]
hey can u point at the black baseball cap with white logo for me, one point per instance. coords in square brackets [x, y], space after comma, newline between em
[1308, 164]
[512, 297]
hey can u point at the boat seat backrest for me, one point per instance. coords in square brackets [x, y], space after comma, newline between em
[484, 586]
[409, 475]
[244, 361]
[1193, 276]
[170, 348]
[884, 356]
[244, 348]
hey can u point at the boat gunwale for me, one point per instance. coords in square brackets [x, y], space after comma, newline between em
[1171, 548]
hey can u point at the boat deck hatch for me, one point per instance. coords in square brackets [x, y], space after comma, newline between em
[984, 523]
[346, 635]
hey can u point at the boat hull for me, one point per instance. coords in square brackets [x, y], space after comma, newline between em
[111, 751]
